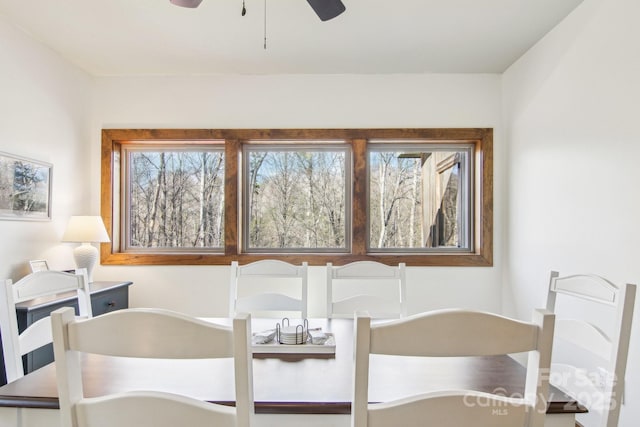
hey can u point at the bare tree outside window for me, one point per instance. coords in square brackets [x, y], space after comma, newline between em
[175, 199]
[416, 198]
[296, 198]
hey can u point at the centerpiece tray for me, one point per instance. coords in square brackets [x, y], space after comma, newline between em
[275, 348]
[299, 340]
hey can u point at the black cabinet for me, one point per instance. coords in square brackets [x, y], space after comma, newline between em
[105, 297]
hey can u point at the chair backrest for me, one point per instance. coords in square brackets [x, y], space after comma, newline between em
[593, 328]
[454, 333]
[269, 283]
[369, 286]
[149, 333]
[40, 284]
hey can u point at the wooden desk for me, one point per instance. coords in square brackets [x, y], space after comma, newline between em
[290, 385]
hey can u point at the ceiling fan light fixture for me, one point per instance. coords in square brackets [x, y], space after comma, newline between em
[186, 3]
[327, 9]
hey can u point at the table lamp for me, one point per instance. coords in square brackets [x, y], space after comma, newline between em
[86, 230]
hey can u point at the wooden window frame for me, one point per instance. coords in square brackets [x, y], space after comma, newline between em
[482, 138]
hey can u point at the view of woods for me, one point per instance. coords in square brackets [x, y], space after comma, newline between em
[296, 199]
[395, 200]
[414, 198]
[176, 199]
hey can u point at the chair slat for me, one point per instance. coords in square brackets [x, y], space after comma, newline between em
[586, 336]
[586, 286]
[267, 302]
[270, 268]
[46, 283]
[36, 335]
[150, 333]
[152, 409]
[450, 409]
[454, 333]
[377, 307]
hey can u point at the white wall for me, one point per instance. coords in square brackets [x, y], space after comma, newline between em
[571, 114]
[52, 111]
[44, 115]
[304, 101]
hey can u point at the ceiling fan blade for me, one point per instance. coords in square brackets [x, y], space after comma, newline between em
[186, 3]
[327, 9]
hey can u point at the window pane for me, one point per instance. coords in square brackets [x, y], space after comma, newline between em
[175, 199]
[418, 198]
[445, 231]
[295, 199]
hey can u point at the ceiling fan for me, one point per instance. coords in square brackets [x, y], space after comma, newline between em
[325, 9]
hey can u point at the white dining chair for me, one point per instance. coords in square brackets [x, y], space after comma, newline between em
[370, 286]
[270, 288]
[453, 333]
[593, 329]
[41, 284]
[149, 333]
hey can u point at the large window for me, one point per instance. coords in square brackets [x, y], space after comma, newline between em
[296, 197]
[419, 196]
[173, 197]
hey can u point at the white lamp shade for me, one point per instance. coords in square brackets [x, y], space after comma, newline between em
[85, 229]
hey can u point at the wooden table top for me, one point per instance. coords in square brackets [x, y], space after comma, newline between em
[290, 384]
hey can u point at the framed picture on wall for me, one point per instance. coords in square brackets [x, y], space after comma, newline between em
[25, 188]
[38, 265]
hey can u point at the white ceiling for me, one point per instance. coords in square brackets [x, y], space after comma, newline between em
[154, 37]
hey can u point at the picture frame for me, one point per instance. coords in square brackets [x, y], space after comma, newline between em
[25, 188]
[38, 265]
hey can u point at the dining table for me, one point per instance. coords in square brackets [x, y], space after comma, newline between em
[290, 389]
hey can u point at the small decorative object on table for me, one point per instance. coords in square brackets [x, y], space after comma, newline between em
[292, 334]
[297, 339]
[38, 265]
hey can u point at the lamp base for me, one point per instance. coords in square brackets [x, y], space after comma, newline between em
[86, 256]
